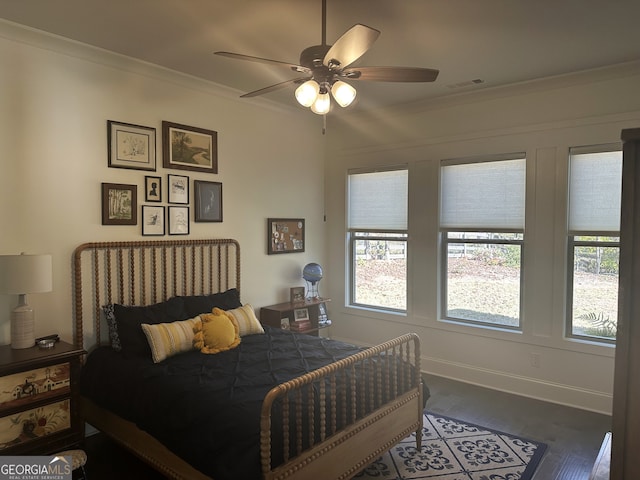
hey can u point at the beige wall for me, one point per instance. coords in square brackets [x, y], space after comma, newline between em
[543, 119]
[56, 99]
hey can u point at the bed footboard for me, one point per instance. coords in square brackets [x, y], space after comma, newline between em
[334, 421]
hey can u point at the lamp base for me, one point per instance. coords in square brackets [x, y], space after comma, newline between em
[312, 290]
[23, 325]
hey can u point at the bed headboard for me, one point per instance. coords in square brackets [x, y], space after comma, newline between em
[146, 272]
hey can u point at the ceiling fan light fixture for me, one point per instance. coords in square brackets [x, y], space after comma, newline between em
[307, 93]
[322, 105]
[344, 93]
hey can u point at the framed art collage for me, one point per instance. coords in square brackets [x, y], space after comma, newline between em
[184, 147]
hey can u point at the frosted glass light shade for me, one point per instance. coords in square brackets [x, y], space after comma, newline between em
[307, 93]
[343, 93]
[322, 104]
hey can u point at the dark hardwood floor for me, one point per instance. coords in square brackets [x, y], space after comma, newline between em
[573, 436]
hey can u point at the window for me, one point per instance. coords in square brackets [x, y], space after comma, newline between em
[595, 188]
[377, 229]
[482, 206]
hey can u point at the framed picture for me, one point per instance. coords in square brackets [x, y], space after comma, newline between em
[285, 235]
[189, 148]
[131, 146]
[301, 314]
[152, 220]
[178, 189]
[296, 295]
[152, 189]
[178, 220]
[119, 204]
[285, 324]
[208, 201]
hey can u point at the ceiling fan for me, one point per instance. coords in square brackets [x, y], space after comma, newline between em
[326, 67]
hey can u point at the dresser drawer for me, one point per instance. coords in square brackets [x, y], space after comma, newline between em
[34, 424]
[33, 385]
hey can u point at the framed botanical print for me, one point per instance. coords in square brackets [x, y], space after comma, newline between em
[119, 204]
[131, 146]
[189, 148]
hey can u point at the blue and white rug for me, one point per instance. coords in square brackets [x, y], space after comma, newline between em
[457, 450]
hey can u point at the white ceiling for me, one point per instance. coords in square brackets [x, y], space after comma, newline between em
[497, 41]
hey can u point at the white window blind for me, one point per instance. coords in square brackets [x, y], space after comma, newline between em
[378, 200]
[595, 189]
[487, 195]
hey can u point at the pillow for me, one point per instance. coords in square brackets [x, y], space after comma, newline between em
[197, 304]
[168, 339]
[110, 316]
[248, 324]
[129, 320]
[216, 332]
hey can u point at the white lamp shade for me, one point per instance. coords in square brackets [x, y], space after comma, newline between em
[343, 93]
[307, 93]
[20, 274]
[322, 104]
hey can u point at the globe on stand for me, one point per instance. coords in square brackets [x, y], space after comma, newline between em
[312, 273]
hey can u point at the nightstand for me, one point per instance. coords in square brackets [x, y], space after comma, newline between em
[39, 388]
[310, 314]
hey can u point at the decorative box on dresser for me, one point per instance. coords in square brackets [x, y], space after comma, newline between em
[286, 315]
[39, 412]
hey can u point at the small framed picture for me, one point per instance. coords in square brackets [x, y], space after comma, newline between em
[178, 220]
[178, 189]
[119, 204]
[152, 189]
[208, 201]
[301, 314]
[189, 148]
[296, 294]
[285, 235]
[131, 146]
[152, 220]
[285, 324]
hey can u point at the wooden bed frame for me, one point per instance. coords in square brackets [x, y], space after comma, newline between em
[353, 432]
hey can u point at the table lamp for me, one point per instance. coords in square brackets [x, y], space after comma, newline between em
[22, 274]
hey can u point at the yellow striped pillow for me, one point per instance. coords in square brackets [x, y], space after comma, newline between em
[247, 321]
[167, 339]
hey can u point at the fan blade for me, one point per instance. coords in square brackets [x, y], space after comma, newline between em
[238, 56]
[390, 74]
[273, 88]
[350, 46]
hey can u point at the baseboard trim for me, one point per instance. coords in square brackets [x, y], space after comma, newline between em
[576, 397]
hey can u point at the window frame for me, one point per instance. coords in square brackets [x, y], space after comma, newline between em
[572, 243]
[353, 239]
[444, 270]
[444, 242]
[399, 235]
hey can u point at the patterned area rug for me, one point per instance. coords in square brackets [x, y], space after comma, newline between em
[456, 450]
